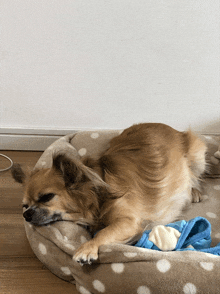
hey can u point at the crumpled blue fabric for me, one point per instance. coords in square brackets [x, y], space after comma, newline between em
[195, 233]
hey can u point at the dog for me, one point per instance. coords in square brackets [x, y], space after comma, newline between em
[149, 173]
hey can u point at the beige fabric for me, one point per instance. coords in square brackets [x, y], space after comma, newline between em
[124, 268]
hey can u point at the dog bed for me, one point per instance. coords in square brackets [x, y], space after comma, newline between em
[125, 268]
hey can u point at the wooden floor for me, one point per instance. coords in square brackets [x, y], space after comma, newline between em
[20, 271]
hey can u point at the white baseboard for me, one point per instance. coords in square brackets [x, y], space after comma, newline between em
[29, 139]
[26, 142]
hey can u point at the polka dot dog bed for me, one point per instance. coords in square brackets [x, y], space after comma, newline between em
[125, 268]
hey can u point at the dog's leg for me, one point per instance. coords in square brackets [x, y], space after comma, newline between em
[196, 195]
[118, 232]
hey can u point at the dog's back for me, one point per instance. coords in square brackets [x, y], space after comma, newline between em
[152, 168]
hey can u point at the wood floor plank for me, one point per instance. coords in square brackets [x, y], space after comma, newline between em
[11, 200]
[13, 240]
[28, 275]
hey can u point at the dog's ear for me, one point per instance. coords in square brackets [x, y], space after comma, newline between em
[18, 174]
[70, 171]
[74, 171]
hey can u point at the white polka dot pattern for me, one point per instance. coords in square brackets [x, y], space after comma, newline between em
[70, 246]
[99, 286]
[211, 255]
[211, 214]
[189, 288]
[207, 265]
[117, 267]
[143, 290]
[82, 151]
[163, 265]
[94, 135]
[66, 270]
[65, 238]
[42, 248]
[130, 254]
[83, 290]
[217, 235]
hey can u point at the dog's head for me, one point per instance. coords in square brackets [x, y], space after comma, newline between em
[69, 190]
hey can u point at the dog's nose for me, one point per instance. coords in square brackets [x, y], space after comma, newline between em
[28, 214]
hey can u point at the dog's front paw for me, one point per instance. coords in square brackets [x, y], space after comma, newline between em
[196, 196]
[86, 253]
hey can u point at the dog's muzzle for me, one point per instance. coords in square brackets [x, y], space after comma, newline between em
[28, 214]
[39, 216]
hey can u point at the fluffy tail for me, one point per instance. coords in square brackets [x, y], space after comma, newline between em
[196, 154]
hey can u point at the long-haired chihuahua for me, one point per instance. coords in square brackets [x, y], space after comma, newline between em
[147, 176]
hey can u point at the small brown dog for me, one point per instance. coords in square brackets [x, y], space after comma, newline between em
[147, 175]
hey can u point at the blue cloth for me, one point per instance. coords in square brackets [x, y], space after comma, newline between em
[196, 233]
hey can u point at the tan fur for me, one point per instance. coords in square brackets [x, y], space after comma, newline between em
[147, 176]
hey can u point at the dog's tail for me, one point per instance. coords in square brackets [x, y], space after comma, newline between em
[196, 153]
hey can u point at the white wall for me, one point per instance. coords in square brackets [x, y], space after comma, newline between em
[108, 64]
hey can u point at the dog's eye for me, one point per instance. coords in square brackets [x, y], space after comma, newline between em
[25, 206]
[46, 197]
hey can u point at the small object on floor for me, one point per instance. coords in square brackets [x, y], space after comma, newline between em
[8, 158]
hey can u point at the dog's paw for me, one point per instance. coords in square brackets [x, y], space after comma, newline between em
[86, 253]
[196, 196]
